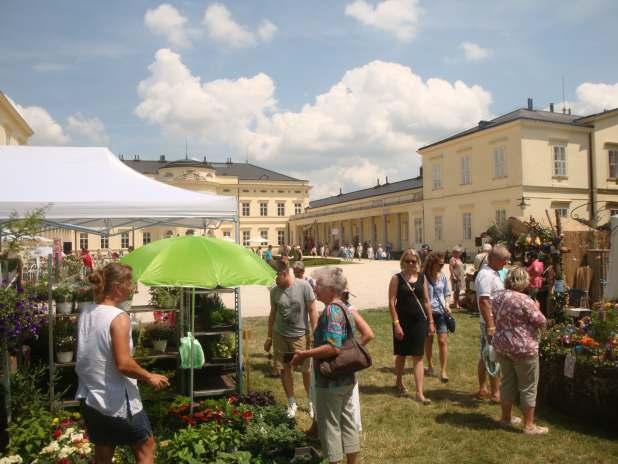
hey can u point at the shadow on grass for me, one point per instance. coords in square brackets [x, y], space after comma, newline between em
[391, 370]
[559, 420]
[378, 389]
[461, 398]
[472, 420]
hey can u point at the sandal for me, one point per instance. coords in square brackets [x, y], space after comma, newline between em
[536, 430]
[423, 400]
[401, 390]
[514, 422]
[443, 379]
[429, 371]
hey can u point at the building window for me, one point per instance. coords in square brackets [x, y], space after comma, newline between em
[264, 235]
[499, 162]
[104, 242]
[436, 171]
[227, 234]
[465, 170]
[437, 227]
[263, 208]
[124, 240]
[245, 208]
[562, 212]
[467, 226]
[83, 241]
[418, 230]
[246, 237]
[613, 164]
[560, 161]
[280, 237]
[404, 230]
[146, 238]
[298, 208]
[280, 209]
[500, 216]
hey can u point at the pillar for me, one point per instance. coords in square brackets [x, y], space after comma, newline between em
[397, 245]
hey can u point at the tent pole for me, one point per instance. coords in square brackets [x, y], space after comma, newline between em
[192, 325]
[50, 334]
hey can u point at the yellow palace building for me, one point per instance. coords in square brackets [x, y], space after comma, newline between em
[519, 164]
[14, 130]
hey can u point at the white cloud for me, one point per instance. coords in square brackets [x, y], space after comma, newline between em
[46, 130]
[90, 130]
[266, 31]
[397, 17]
[474, 52]
[46, 66]
[594, 98]
[167, 21]
[222, 28]
[368, 124]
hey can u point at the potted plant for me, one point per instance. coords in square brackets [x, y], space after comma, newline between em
[84, 297]
[222, 348]
[63, 296]
[159, 334]
[164, 297]
[222, 317]
[64, 348]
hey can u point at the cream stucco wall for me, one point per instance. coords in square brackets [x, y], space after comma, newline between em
[14, 130]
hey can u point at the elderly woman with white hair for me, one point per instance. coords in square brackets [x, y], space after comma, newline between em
[518, 319]
[334, 400]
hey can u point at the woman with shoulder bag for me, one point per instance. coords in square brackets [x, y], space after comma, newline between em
[334, 396]
[408, 303]
[437, 286]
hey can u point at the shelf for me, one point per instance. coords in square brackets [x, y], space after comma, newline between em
[215, 332]
[71, 364]
[68, 403]
[167, 355]
[218, 290]
[217, 385]
[213, 392]
[231, 363]
[149, 309]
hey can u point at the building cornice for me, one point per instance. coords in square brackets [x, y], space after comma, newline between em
[18, 118]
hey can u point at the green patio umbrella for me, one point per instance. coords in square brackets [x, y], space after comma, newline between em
[202, 262]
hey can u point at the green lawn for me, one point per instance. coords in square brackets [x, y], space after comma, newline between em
[455, 428]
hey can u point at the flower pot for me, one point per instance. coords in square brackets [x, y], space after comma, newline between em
[64, 356]
[81, 305]
[159, 345]
[125, 305]
[64, 308]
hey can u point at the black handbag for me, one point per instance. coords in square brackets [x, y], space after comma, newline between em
[352, 357]
[451, 324]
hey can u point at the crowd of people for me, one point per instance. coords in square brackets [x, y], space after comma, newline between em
[302, 336]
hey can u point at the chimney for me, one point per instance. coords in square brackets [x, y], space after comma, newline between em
[378, 181]
[205, 159]
[420, 172]
[121, 157]
[386, 181]
[551, 107]
[162, 158]
[135, 157]
[530, 104]
[569, 111]
[340, 192]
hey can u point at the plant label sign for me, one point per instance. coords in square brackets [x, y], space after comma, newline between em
[569, 366]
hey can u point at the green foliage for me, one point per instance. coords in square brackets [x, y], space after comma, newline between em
[164, 297]
[158, 331]
[272, 415]
[83, 294]
[62, 294]
[20, 228]
[222, 346]
[222, 316]
[30, 433]
[26, 395]
[270, 440]
[65, 343]
[195, 445]
[237, 457]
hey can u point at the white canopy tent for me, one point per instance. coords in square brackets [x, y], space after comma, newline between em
[90, 189]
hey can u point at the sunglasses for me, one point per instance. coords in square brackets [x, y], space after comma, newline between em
[411, 261]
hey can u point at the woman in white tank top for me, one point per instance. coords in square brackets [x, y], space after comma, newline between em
[108, 374]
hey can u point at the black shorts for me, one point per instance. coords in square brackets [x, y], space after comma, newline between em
[112, 431]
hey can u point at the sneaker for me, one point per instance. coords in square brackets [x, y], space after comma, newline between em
[536, 430]
[311, 411]
[292, 410]
[514, 422]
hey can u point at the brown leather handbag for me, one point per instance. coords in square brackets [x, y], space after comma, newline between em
[353, 356]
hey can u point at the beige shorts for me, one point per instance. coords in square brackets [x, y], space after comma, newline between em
[283, 345]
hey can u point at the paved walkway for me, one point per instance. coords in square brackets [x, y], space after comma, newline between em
[367, 280]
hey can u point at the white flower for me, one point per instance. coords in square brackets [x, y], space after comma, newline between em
[77, 437]
[14, 459]
[65, 452]
[51, 448]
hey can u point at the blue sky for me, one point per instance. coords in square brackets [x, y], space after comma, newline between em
[338, 92]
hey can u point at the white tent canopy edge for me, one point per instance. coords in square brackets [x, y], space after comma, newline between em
[88, 188]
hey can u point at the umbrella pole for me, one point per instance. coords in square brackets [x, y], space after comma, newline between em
[192, 328]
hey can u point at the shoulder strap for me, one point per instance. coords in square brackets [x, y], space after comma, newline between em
[413, 293]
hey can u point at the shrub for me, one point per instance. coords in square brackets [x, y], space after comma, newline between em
[164, 297]
[65, 343]
[199, 444]
[268, 440]
[62, 294]
[158, 331]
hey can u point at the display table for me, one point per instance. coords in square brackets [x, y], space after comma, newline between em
[576, 313]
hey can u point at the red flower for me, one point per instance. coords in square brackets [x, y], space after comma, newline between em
[188, 420]
[57, 433]
[64, 461]
[235, 413]
[247, 415]
[66, 422]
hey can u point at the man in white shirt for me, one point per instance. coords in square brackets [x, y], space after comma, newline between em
[481, 258]
[487, 283]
